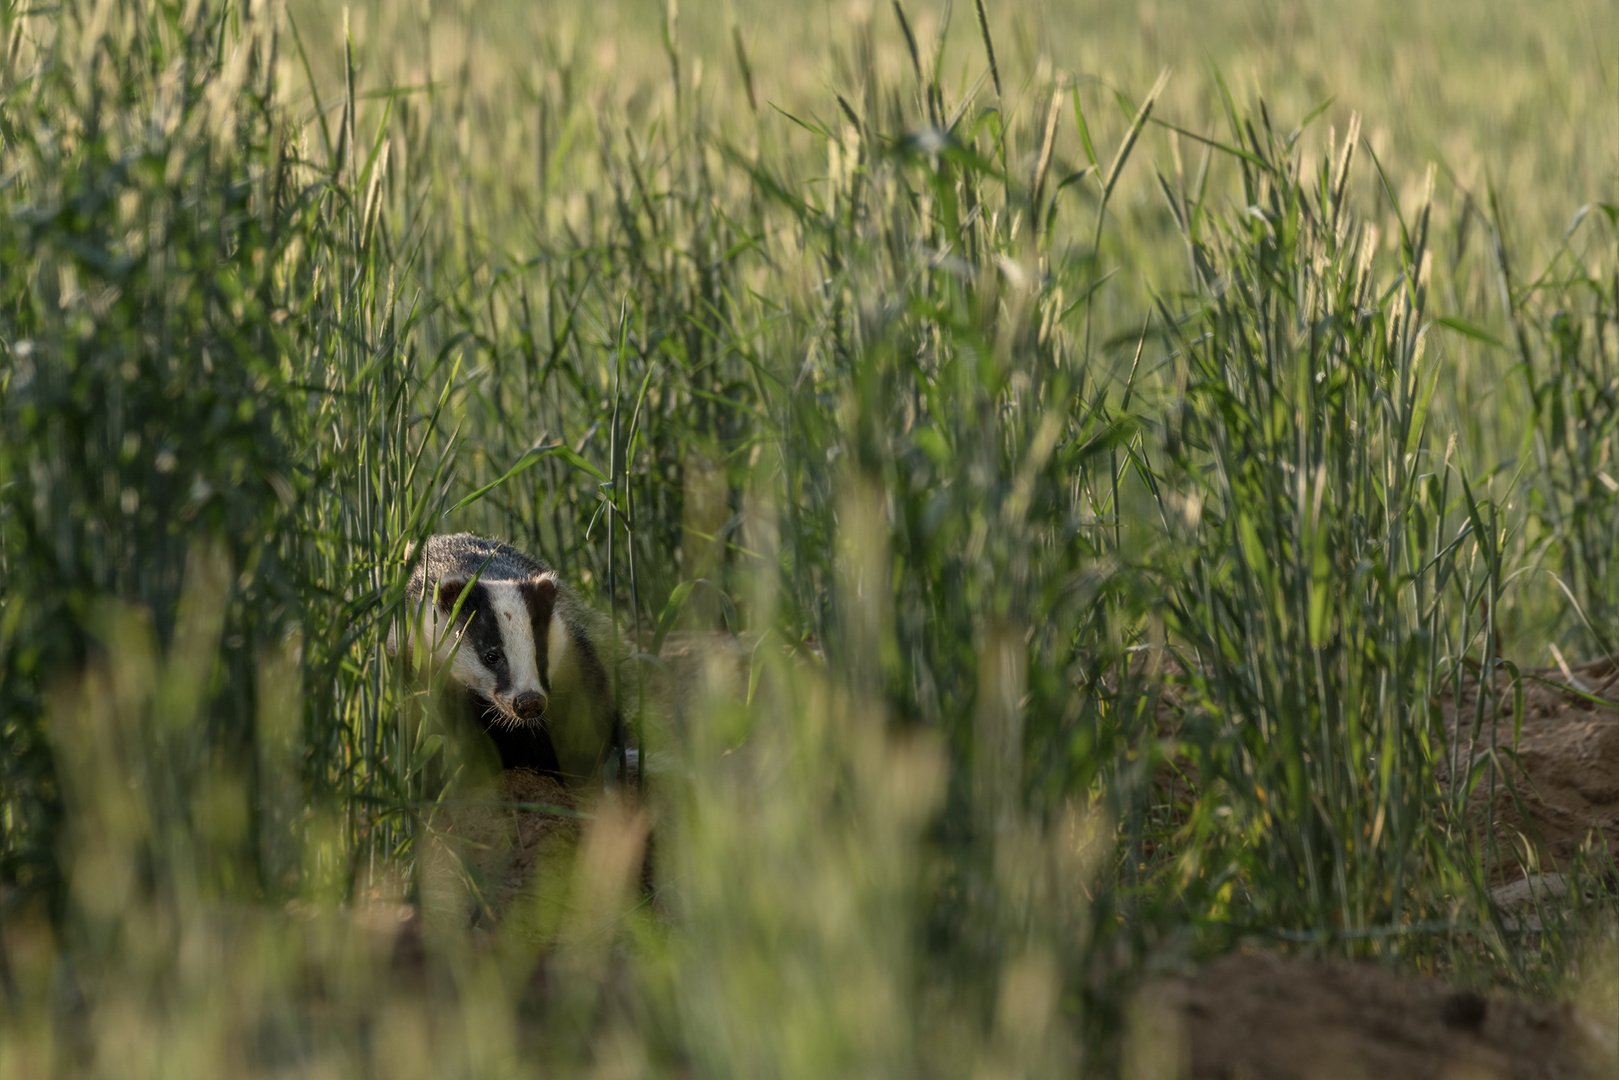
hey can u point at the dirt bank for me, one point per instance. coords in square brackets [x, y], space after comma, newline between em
[1562, 789]
[1262, 1017]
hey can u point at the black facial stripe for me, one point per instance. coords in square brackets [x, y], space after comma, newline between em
[483, 634]
[541, 596]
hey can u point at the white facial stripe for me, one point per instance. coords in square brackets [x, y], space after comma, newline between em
[468, 670]
[465, 667]
[517, 634]
[556, 643]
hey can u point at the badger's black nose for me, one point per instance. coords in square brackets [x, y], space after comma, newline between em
[528, 704]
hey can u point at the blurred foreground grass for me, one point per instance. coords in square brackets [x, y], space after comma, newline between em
[1111, 477]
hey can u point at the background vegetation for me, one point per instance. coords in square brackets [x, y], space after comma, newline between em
[1111, 473]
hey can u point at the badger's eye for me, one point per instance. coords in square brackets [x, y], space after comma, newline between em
[492, 657]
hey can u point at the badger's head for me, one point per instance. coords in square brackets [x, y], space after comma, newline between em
[505, 641]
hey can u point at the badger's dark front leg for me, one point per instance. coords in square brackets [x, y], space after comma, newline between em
[521, 746]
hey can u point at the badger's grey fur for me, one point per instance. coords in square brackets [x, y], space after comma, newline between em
[533, 658]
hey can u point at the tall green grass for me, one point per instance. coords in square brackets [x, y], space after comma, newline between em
[1095, 624]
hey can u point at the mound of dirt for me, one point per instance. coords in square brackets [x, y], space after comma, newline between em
[1263, 1017]
[1564, 784]
[487, 848]
[1559, 794]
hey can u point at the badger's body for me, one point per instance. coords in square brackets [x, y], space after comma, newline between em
[532, 658]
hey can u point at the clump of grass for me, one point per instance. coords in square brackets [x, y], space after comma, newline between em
[1313, 605]
[145, 397]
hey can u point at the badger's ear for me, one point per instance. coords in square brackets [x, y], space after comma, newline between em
[540, 593]
[449, 591]
[542, 589]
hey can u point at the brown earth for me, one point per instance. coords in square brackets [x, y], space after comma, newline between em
[1561, 793]
[492, 847]
[1262, 1017]
[1266, 1017]
[1558, 793]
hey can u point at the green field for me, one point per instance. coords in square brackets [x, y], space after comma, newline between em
[1114, 433]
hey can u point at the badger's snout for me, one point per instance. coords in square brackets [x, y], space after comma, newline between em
[529, 704]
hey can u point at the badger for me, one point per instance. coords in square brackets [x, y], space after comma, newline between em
[530, 656]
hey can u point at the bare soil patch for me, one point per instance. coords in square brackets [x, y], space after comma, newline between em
[1559, 793]
[1263, 1017]
[1268, 1017]
[492, 847]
